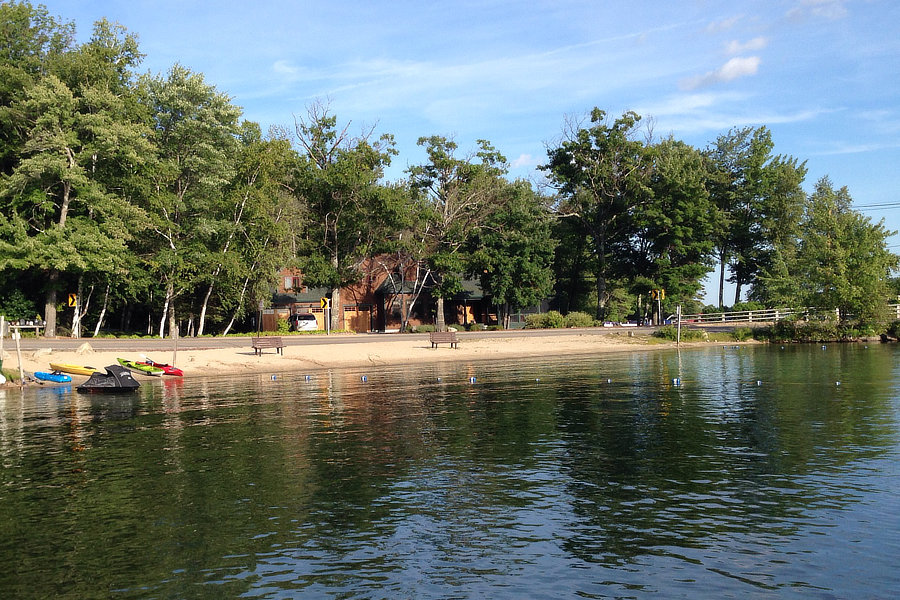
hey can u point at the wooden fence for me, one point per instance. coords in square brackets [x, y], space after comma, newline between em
[767, 315]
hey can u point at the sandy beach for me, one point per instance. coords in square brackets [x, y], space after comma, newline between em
[365, 352]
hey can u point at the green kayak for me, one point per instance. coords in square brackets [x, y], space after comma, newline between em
[145, 368]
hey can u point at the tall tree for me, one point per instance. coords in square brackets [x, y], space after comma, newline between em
[348, 210]
[672, 242]
[759, 197]
[457, 194]
[512, 253]
[68, 197]
[842, 261]
[601, 171]
[251, 210]
[195, 129]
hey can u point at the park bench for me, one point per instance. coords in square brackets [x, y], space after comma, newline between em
[267, 342]
[443, 337]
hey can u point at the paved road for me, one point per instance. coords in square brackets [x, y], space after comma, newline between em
[208, 343]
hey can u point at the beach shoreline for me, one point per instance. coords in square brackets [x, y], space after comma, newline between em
[365, 353]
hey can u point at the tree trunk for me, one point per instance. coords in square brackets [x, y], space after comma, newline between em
[336, 309]
[202, 322]
[440, 324]
[737, 293]
[173, 324]
[721, 280]
[102, 312]
[50, 304]
[166, 306]
[239, 304]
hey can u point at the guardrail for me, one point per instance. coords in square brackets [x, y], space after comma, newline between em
[767, 315]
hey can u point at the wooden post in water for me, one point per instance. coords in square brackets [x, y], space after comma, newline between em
[16, 335]
[678, 332]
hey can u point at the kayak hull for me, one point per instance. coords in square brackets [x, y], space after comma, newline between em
[55, 377]
[73, 369]
[142, 367]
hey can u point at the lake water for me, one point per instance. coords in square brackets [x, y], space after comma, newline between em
[762, 472]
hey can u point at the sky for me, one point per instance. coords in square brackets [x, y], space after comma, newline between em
[822, 75]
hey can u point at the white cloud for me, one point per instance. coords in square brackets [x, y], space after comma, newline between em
[283, 67]
[723, 25]
[736, 47]
[524, 160]
[826, 9]
[731, 70]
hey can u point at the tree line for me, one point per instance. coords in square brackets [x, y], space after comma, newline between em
[150, 196]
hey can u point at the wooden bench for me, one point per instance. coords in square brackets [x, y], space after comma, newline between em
[443, 337]
[267, 342]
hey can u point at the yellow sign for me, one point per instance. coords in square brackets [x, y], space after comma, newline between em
[326, 302]
[73, 300]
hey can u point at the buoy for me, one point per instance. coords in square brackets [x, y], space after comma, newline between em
[537, 379]
[308, 378]
[364, 378]
[758, 382]
[823, 347]
[676, 382]
[471, 380]
[837, 383]
[609, 381]
[274, 377]
[439, 379]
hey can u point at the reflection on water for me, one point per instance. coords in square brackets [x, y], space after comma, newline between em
[766, 469]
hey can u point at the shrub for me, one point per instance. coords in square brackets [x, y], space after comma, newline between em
[742, 334]
[740, 306]
[282, 326]
[547, 320]
[16, 306]
[670, 332]
[422, 328]
[578, 319]
[894, 329]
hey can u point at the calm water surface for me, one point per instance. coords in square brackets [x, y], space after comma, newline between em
[767, 472]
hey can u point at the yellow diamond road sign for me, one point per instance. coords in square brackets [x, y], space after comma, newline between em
[73, 300]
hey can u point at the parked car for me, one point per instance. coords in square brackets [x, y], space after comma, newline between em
[303, 322]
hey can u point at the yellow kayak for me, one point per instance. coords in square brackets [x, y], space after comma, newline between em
[73, 369]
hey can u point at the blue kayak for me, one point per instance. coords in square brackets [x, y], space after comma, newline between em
[54, 376]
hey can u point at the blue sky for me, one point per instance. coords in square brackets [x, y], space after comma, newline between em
[823, 75]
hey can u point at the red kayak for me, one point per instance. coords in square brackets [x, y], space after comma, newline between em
[167, 369]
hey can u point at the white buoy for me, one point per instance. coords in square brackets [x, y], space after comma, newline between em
[308, 378]
[837, 383]
[364, 378]
[471, 380]
[676, 382]
[758, 382]
[274, 377]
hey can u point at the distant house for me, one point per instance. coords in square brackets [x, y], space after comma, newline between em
[378, 301]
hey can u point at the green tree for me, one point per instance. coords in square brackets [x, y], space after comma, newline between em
[759, 197]
[349, 212]
[68, 202]
[195, 130]
[842, 261]
[250, 238]
[457, 194]
[671, 247]
[30, 41]
[511, 254]
[602, 173]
